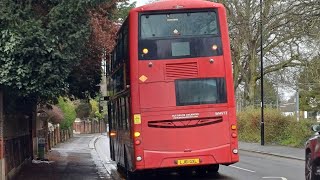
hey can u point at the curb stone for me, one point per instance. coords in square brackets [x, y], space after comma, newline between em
[93, 142]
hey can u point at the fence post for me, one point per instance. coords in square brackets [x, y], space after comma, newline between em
[49, 143]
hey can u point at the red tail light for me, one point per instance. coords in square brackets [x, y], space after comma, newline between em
[234, 135]
[137, 142]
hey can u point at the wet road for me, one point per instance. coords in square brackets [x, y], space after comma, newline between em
[252, 166]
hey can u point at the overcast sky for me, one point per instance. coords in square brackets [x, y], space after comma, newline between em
[140, 2]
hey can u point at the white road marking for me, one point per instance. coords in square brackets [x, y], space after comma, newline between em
[282, 178]
[242, 169]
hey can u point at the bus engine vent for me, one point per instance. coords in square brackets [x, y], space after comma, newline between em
[185, 123]
[181, 70]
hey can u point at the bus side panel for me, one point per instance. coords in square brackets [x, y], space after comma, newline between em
[227, 55]
[229, 77]
[134, 80]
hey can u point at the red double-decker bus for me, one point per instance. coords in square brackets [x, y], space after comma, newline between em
[171, 102]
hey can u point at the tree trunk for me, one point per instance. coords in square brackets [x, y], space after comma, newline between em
[252, 91]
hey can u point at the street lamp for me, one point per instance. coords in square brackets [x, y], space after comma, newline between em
[261, 71]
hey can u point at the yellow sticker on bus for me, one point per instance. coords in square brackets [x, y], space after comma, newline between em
[143, 78]
[137, 119]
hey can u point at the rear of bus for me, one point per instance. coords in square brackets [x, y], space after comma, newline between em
[182, 93]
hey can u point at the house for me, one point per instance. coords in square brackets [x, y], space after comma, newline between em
[289, 108]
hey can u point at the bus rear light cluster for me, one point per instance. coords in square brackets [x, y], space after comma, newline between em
[235, 151]
[139, 158]
[234, 128]
[137, 134]
[234, 135]
[137, 142]
[112, 134]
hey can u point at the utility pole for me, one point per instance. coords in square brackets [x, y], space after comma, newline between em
[261, 70]
[297, 104]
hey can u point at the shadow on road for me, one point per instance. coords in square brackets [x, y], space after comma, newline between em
[175, 176]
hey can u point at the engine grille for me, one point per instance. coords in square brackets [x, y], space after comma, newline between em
[181, 70]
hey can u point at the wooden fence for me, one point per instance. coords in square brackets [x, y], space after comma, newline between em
[89, 127]
[57, 136]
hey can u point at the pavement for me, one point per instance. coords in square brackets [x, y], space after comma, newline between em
[280, 151]
[74, 159]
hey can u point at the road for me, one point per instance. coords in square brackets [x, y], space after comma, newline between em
[252, 166]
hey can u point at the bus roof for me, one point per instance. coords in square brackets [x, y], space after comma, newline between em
[177, 4]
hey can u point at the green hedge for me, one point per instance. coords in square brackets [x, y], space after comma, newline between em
[279, 129]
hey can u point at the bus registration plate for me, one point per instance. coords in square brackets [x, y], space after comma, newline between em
[188, 161]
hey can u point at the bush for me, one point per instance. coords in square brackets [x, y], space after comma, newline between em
[95, 110]
[69, 113]
[279, 129]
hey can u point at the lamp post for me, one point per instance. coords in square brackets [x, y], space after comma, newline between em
[261, 71]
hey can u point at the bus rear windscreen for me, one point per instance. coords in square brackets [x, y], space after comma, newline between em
[178, 24]
[179, 35]
[200, 91]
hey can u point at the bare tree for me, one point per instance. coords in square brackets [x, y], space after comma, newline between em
[286, 26]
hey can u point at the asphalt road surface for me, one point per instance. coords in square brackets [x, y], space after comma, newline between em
[252, 166]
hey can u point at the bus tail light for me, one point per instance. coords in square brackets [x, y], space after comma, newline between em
[234, 135]
[137, 142]
[233, 127]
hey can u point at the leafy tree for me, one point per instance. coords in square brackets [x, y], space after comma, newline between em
[86, 76]
[309, 86]
[41, 43]
[84, 79]
[121, 12]
[83, 110]
[69, 112]
[270, 93]
[95, 109]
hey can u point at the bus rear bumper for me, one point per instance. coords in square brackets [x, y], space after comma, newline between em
[218, 155]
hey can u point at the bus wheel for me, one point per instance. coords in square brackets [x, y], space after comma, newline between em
[213, 168]
[132, 175]
[129, 174]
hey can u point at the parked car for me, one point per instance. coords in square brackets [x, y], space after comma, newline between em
[312, 163]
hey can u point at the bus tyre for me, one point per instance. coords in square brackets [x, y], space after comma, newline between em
[213, 168]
